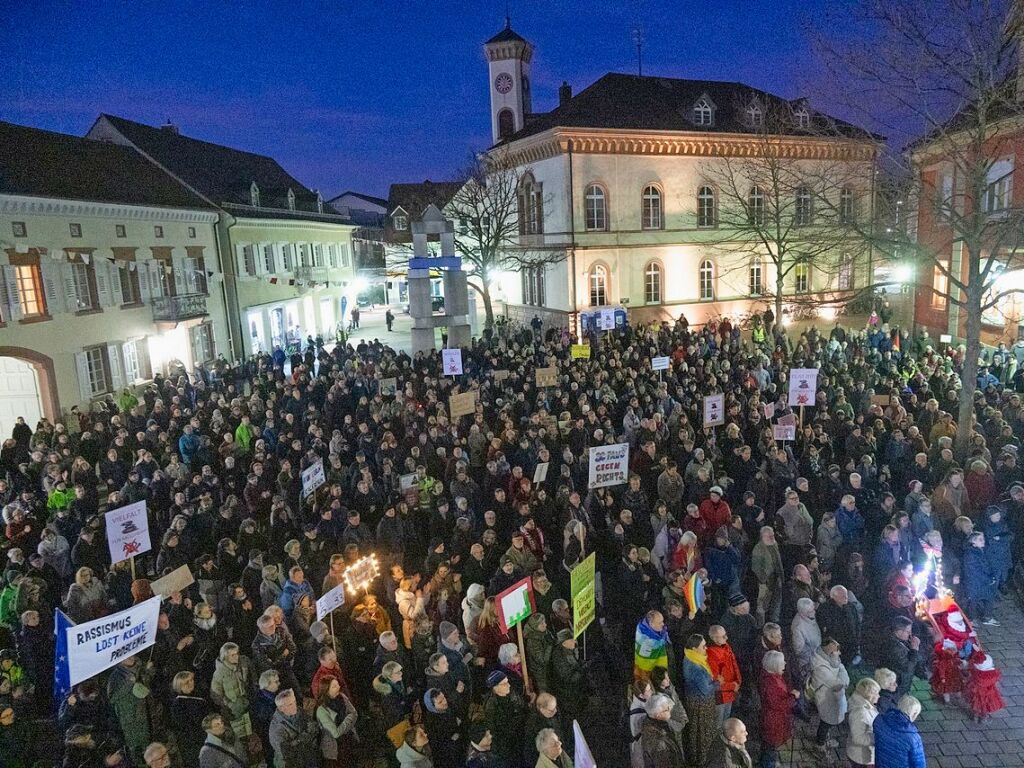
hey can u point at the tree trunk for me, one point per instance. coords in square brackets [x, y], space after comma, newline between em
[969, 379]
[779, 284]
[488, 306]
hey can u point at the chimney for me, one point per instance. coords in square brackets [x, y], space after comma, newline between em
[564, 94]
[170, 127]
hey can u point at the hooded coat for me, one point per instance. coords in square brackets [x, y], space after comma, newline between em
[231, 687]
[829, 679]
[897, 741]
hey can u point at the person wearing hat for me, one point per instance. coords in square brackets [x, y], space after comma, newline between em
[505, 716]
[521, 556]
[741, 628]
[480, 754]
[715, 510]
[506, 576]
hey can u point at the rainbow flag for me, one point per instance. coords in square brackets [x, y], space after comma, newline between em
[650, 649]
[694, 592]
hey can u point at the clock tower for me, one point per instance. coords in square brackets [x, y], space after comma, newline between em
[508, 63]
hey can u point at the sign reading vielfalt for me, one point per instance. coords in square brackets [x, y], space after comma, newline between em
[803, 383]
[451, 361]
[127, 531]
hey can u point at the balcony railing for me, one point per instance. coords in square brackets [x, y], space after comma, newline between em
[174, 309]
[311, 274]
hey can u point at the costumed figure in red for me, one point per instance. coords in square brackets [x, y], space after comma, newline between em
[982, 693]
[954, 628]
[946, 679]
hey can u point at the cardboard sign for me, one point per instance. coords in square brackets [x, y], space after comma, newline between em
[606, 320]
[389, 387]
[609, 465]
[98, 645]
[945, 338]
[714, 410]
[127, 531]
[175, 581]
[312, 478]
[500, 375]
[451, 362]
[515, 604]
[547, 377]
[659, 363]
[882, 400]
[583, 595]
[407, 486]
[803, 385]
[463, 404]
[332, 599]
[769, 410]
[541, 472]
[580, 351]
[784, 431]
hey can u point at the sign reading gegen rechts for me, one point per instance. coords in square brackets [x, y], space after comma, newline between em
[609, 465]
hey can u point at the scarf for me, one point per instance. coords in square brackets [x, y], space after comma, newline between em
[700, 659]
[651, 648]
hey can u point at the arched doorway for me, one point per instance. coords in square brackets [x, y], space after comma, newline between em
[27, 388]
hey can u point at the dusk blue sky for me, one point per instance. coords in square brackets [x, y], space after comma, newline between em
[357, 95]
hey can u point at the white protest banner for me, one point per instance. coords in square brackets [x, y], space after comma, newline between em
[714, 410]
[98, 645]
[784, 431]
[451, 361]
[769, 410]
[312, 478]
[127, 531]
[334, 598]
[803, 383]
[606, 320]
[609, 465]
[788, 418]
[175, 581]
[659, 363]
[541, 472]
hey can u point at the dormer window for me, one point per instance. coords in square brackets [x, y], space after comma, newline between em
[401, 222]
[803, 118]
[254, 195]
[755, 118]
[291, 199]
[703, 111]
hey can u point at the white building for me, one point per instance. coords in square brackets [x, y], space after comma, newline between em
[616, 179]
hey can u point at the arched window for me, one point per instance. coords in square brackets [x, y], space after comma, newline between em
[846, 214]
[803, 118]
[703, 112]
[756, 283]
[598, 286]
[802, 277]
[755, 118]
[650, 208]
[803, 213]
[755, 207]
[595, 207]
[652, 283]
[707, 280]
[846, 272]
[706, 207]
[531, 206]
[506, 123]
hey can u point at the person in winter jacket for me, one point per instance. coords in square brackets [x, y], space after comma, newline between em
[415, 751]
[294, 737]
[293, 589]
[776, 707]
[658, 743]
[223, 748]
[860, 747]
[998, 544]
[725, 670]
[232, 687]
[979, 579]
[828, 682]
[897, 741]
[806, 638]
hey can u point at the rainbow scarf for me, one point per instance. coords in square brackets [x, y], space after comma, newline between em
[651, 648]
[694, 591]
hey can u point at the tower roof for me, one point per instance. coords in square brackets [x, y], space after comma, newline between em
[507, 35]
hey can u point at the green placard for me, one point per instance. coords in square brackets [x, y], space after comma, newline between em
[584, 597]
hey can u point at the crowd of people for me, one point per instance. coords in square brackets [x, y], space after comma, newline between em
[742, 583]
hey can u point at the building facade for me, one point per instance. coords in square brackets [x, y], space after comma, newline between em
[287, 256]
[107, 274]
[624, 190]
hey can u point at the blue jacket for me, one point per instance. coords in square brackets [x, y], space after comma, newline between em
[851, 524]
[291, 594]
[897, 742]
[697, 681]
[977, 574]
[723, 565]
[188, 445]
[998, 542]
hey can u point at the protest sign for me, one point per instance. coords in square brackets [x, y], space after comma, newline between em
[333, 598]
[451, 360]
[714, 410]
[789, 418]
[547, 377]
[609, 465]
[659, 363]
[312, 478]
[100, 644]
[500, 375]
[408, 489]
[784, 431]
[769, 410]
[175, 581]
[580, 351]
[582, 593]
[882, 400]
[515, 604]
[803, 384]
[389, 387]
[463, 404]
[541, 472]
[127, 531]
[606, 320]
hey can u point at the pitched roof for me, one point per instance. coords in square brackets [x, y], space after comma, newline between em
[414, 198]
[47, 164]
[666, 104]
[223, 174]
[368, 198]
[507, 35]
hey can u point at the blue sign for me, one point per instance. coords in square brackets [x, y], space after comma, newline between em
[436, 262]
[344, 306]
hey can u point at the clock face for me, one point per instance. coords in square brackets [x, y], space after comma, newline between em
[503, 82]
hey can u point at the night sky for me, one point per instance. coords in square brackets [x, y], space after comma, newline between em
[360, 94]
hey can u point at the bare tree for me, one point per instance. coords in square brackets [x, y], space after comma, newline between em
[948, 70]
[795, 202]
[497, 214]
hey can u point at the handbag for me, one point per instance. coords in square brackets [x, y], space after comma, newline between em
[396, 733]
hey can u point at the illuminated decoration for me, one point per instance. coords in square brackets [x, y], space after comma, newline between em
[359, 575]
[930, 592]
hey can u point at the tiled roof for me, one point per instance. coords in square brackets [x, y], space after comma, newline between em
[414, 199]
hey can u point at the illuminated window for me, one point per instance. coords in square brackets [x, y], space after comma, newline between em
[85, 286]
[596, 208]
[652, 283]
[755, 118]
[803, 213]
[756, 275]
[755, 207]
[940, 284]
[598, 286]
[703, 112]
[705, 207]
[802, 277]
[650, 212]
[30, 291]
[706, 279]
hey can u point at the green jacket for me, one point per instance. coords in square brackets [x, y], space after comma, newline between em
[243, 436]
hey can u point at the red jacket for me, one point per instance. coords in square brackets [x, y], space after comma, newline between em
[323, 676]
[725, 670]
[981, 692]
[776, 710]
[715, 515]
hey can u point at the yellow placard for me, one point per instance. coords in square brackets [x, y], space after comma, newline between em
[582, 591]
[580, 351]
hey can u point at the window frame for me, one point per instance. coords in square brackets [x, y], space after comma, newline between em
[803, 117]
[400, 222]
[654, 283]
[707, 207]
[756, 205]
[701, 109]
[846, 207]
[132, 284]
[706, 280]
[802, 277]
[33, 279]
[598, 282]
[105, 379]
[83, 276]
[75, 229]
[158, 232]
[120, 231]
[595, 208]
[651, 197]
[755, 285]
[940, 285]
[506, 121]
[19, 229]
[803, 207]
[754, 115]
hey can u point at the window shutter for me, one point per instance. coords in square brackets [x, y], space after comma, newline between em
[105, 294]
[82, 364]
[129, 351]
[67, 275]
[116, 378]
[13, 300]
[142, 270]
[52, 288]
[180, 265]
